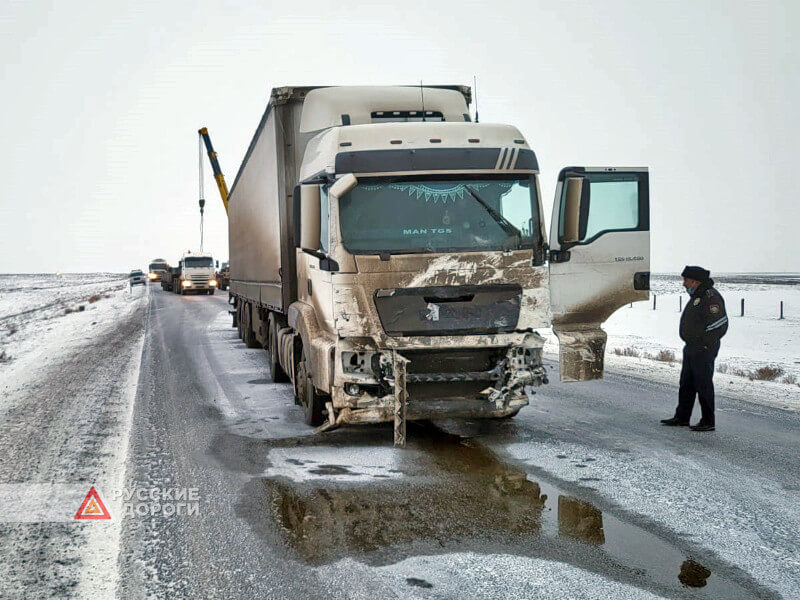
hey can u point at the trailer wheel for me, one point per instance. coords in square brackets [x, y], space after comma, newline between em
[311, 400]
[239, 319]
[250, 339]
[275, 370]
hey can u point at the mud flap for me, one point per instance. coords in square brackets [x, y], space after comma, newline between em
[331, 422]
[581, 352]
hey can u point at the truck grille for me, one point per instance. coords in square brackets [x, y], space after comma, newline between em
[200, 279]
[449, 310]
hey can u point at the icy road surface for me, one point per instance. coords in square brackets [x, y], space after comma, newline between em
[583, 495]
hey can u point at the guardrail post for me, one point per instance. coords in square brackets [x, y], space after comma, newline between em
[742, 308]
[654, 301]
[781, 310]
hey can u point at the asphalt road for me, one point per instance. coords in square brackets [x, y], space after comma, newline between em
[582, 495]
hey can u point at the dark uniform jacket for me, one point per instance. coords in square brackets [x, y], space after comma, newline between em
[704, 321]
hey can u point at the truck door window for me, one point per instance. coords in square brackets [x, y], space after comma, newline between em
[614, 203]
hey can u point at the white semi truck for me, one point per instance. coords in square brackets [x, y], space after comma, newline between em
[196, 274]
[391, 255]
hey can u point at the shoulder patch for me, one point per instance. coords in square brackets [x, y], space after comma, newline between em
[696, 301]
[709, 293]
[713, 309]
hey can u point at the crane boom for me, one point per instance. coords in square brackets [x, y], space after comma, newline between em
[212, 157]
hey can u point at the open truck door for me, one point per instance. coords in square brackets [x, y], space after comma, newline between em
[599, 259]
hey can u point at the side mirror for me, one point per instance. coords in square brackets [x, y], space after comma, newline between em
[309, 217]
[218, 264]
[343, 185]
[573, 198]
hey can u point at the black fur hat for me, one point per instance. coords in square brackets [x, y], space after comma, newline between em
[696, 273]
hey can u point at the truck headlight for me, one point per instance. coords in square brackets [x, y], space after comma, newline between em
[352, 389]
[212, 283]
[186, 283]
[151, 275]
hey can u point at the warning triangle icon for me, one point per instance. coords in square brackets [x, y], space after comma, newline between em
[92, 507]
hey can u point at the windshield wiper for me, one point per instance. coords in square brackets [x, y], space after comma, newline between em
[507, 226]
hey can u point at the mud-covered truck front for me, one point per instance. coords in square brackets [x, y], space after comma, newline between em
[391, 255]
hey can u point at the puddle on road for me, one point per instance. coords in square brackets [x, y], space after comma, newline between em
[453, 496]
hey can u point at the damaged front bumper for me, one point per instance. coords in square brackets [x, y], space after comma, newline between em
[433, 383]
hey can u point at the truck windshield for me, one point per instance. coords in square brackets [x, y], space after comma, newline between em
[404, 215]
[158, 267]
[198, 261]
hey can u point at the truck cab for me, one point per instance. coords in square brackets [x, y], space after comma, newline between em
[197, 274]
[156, 269]
[413, 270]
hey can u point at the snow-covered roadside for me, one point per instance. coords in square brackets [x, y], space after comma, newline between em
[758, 339]
[747, 520]
[66, 406]
[35, 339]
[766, 393]
[496, 576]
[99, 573]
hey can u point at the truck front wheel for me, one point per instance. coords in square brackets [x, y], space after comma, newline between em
[310, 399]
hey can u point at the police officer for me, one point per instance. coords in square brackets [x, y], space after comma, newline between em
[703, 323]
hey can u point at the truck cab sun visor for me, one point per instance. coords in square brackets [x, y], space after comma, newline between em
[436, 159]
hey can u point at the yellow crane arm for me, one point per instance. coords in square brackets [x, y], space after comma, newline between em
[212, 157]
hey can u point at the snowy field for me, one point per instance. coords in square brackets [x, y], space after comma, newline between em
[32, 306]
[759, 339]
[43, 317]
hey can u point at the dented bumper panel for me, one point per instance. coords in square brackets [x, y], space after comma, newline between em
[471, 382]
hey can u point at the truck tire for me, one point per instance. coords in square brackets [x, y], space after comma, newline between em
[311, 400]
[239, 319]
[211, 292]
[249, 338]
[275, 370]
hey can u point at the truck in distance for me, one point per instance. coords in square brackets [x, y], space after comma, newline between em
[156, 269]
[223, 276]
[392, 257]
[170, 279]
[196, 274]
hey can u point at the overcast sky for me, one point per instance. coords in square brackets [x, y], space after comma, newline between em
[100, 104]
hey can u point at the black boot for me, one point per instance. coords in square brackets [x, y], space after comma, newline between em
[674, 422]
[702, 427]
